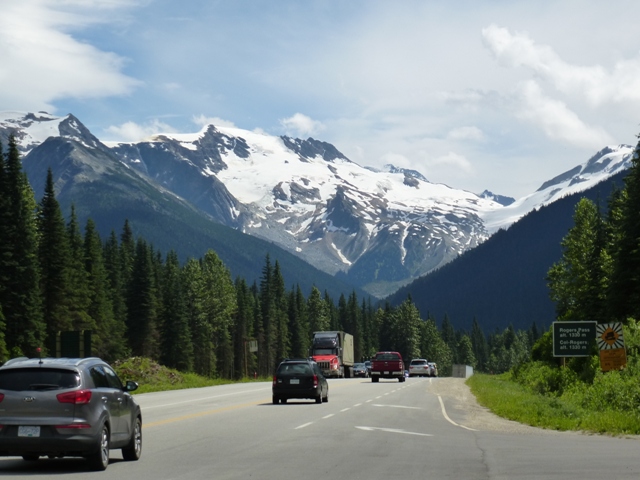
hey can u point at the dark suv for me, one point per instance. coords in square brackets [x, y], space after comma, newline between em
[299, 378]
[67, 407]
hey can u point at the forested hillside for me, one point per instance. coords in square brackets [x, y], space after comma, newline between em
[504, 280]
[57, 275]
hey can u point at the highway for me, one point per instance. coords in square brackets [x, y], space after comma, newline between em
[366, 431]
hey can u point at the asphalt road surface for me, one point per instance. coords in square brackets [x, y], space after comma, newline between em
[424, 428]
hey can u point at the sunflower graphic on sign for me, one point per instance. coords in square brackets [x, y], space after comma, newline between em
[610, 340]
[609, 336]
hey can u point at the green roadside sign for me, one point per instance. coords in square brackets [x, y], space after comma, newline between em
[573, 339]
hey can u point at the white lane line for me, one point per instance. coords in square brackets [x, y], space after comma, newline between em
[303, 425]
[397, 406]
[444, 413]
[328, 416]
[369, 401]
[394, 430]
[345, 409]
[357, 404]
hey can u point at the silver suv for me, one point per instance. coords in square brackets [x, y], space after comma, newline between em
[67, 407]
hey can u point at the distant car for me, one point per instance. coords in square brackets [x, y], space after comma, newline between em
[406, 373]
[367, 364]
[419, 367]
[299, 378]
[433, 369]
[360, 370]
[67, 407]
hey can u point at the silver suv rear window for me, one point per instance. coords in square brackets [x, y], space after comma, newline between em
[25, 379]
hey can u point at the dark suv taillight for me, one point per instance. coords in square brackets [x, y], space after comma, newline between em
[77, 397]
[1, 396]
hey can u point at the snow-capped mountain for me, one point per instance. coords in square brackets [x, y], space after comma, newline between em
[607, 162]
[501, 199]
[379, 229]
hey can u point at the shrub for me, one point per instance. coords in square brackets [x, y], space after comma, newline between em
[543, 378]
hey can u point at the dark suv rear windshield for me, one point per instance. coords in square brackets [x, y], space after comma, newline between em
[294, 369]
[387, 356]
[37, 379]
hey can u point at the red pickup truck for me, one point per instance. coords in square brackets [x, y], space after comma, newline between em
[387, 365]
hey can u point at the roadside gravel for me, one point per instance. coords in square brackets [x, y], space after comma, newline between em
[477, 416]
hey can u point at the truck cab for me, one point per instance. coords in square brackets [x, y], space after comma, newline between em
[333, 352]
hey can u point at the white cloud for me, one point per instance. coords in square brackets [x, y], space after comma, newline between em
[301, 125]
[597, 85]
[42, 62]
[466, 133]
[396, 159]
[134, 132]
[202, 121]
[557, 120]
[451, 160]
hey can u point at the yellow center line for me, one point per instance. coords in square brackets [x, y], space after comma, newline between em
[205, 413]
[217, 410]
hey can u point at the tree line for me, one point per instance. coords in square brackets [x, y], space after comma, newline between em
[56, 276]
[598, 276]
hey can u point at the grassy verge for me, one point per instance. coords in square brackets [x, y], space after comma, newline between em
[152, 377]
[513, 401]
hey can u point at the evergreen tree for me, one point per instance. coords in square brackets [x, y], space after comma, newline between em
[127, 254]
[465, 352]
[298, 324]
[283, 348]
[219, 308]
[19, 292]
[175, 337]
[479, 346]
[318, 312]
[246, 361]
[78, 295]
[201, 330]
[579, 281]
[5, 250]
[354, 327]
[370, 332]
[142, 314]
[387, 328]
[55, 265]
[448, 334]
[117, 296]
[269, 315]
[109, 337]
[344, 322]
[434, 348]
[407, 330]
[4, 352]
[332, 313]
[625, 282]
[259, 332]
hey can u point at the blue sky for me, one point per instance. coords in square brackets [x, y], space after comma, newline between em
[500, 95]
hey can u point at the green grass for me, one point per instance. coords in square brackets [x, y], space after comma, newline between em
[152, 377]
[513, 401]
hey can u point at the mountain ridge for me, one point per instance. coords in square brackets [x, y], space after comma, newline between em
[376, 229]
